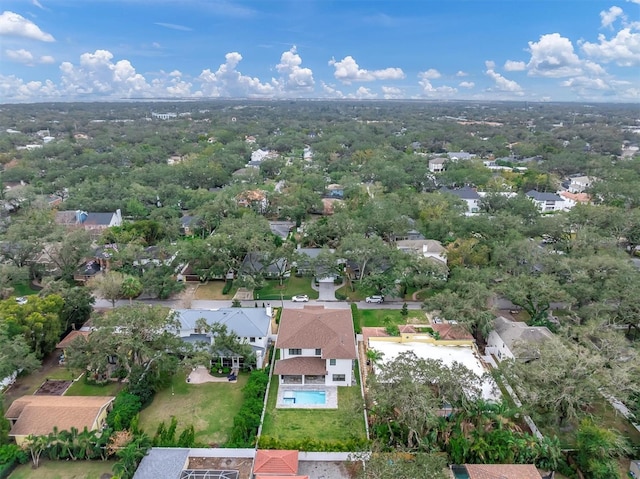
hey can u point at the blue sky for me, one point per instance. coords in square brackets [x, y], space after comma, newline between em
[534, 50]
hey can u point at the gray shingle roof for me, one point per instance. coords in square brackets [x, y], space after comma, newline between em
[164, 462]
[538, 196]
[245, 322]
[465, 193]
[512, 332]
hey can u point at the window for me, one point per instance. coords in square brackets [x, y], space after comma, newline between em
[318, 352]
[295, 352]
[332, 362]
[338, 377]
[252, 340]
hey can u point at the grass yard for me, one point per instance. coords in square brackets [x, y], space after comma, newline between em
[28, 384]
[23, 289]
[63, 470]
[290, 287]
[81, 388]
[321, 424]
[377, 317]
[210, 407]
[213, 290]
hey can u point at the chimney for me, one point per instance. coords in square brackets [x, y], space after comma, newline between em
[268, 310]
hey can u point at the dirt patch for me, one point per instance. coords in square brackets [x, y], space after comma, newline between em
[240, 464]
[328, 469]
[53, 387]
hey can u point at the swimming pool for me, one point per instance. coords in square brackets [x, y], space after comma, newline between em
[304, 397]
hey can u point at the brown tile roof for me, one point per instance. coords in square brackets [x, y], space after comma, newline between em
[278, 462]
[451, 331]
[69, 338]
[281, 477]
[315, 327]
[502, 471]
[301, 365]
[39, 414]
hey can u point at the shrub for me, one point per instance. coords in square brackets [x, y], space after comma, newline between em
[247, 421]
[227, 286]
[125, 408]
[341, 296]
[355, 316]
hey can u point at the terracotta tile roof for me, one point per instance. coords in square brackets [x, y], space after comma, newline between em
[302, 365]
[39, 414]
[315, 327]
[276, 463]
[577, 197]
[69, 338]
[451, 331]
[281, 477]
[502, 471]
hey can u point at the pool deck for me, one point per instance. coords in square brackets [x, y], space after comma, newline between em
[331, 395]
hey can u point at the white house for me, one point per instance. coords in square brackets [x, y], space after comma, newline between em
[546, 202]
[427, 248]
[252, 325]
[506, 334]
[579, 183]
[437, 165]
[317, 346]
[469, 195]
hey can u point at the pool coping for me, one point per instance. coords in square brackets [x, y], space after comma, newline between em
[331, 396]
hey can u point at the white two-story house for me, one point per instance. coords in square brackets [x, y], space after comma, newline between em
[507, 334]
[252, 325]
[317, 346]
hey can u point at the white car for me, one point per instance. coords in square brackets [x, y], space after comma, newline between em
[374, 299]
[21, 300]
[300, 298]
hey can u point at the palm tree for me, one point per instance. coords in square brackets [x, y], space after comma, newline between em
[373, 358]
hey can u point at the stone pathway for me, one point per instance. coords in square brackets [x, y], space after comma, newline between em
[201, 375]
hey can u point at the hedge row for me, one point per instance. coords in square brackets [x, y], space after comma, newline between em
[313, 445]
[247, 421]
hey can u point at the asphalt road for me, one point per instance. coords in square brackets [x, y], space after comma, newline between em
[206, 304]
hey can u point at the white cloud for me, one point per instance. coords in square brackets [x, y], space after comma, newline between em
[430, 74]
[586, 83]
[513, 66]
[466, 84]
[608, 17]
[330, 91]
[391, 93]
[347, 71]
[363, 93]
[98, 75]
[490, 64]
[295, 78]
[501, 83]
[461, 74]
[16, 89]
[622, 49]
[553, 56]
[227, 81]
[12, 24]
[430, 91]
[20, 56]
[26, 57]
[174, 26]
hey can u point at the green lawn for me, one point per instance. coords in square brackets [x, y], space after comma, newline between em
[81, 388]
[378, 317]
[321, 424]
[210, 407]
[63, 470]
[290, 287]
[23, 289]
[28, 384]
[213, 290]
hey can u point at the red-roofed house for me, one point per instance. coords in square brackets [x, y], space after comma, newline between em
[274, 463]
[317, 346]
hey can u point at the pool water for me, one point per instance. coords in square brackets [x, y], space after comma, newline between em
[304, 397]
